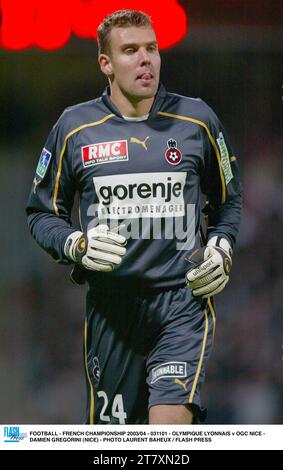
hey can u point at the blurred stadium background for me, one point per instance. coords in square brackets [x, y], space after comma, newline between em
[231, 58]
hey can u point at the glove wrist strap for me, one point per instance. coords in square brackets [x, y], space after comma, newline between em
[220, 242]
[70, 247]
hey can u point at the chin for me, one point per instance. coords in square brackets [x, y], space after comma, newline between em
[146, 93]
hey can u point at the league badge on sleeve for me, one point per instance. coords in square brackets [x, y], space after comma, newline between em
[173, 154]
[43, 163]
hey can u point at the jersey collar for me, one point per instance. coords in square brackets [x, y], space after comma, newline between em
[159, 98]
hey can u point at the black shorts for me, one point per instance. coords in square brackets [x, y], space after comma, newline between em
[145, 348]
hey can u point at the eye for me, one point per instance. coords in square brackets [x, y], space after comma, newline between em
[129, 50]
[152, 48]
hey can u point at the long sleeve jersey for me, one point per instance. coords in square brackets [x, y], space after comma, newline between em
[144, 175]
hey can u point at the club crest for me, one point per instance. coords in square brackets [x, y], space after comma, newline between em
[173, 154]
[96, 369]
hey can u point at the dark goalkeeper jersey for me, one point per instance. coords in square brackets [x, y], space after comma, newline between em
[144, 175]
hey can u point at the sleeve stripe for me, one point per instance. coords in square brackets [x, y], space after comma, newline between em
[59, 171]
[213, 143]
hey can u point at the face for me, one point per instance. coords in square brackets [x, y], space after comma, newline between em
[133, 63]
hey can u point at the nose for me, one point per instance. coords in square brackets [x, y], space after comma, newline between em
[144, 56]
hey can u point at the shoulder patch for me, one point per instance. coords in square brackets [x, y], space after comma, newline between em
[43, 163]
[225, 160]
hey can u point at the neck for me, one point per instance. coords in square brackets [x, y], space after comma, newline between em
[129, 106]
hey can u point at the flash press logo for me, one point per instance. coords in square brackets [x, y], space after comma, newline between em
[13, 434]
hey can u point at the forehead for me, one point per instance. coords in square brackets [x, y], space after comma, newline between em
[131, 35]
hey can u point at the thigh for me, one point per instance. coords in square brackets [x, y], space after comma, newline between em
[115, 356]
[176, 363]
[170, 414]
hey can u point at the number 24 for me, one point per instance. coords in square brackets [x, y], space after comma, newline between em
[117, 408]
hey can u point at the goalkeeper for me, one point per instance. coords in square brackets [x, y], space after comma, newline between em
[139, 157]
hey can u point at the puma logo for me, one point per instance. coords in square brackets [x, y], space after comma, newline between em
[134, 140]
[35, 182]
[183, 384]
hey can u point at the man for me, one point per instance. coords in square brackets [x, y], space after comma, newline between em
[138, 156]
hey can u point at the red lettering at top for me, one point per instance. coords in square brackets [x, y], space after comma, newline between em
[48, 24]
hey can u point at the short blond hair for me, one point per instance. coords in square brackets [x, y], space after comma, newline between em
[119, 19]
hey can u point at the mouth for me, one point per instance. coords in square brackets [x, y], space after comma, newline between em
[146, 77]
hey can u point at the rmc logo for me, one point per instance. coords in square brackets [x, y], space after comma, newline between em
[49, 24]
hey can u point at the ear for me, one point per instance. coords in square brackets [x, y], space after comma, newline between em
[105, 64]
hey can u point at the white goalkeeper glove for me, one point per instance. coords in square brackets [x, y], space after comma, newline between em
[211, 266]
[99, 249]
